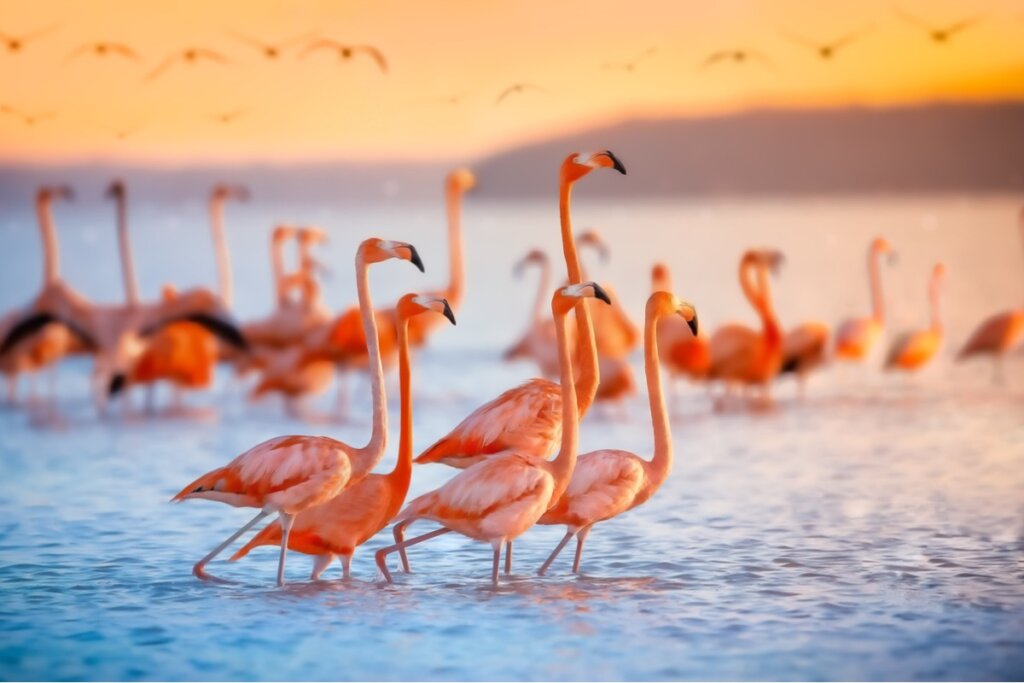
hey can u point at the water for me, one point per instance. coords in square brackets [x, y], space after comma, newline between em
[875, 531]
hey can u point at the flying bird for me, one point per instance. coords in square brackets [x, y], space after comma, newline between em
[124, 132]
[17, 43]
[826, 51]
[192, 55]
[346, 52]
[228, 116]
[735, 56]
[940, 34]
[631, 65]
[104, 49]
[27, 118]
[518, 88]
[269, 50]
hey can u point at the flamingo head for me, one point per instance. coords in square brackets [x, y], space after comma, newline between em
[224, 191]
[461, 180]
[938, 274]
[661, 278]
[578, 165]
[567, 297]
[592, 238]
[663, 303]
[312, 234]
[534, 256]
[48, 193]
[168, 292]
[116, 190]
[880, 245]
[772, 259]
[282, 232]
[375, 250]
[412, 305]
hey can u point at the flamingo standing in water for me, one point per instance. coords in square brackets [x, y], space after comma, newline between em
[339, 526]
[290, 474]
[914, 350]
[537, 342]
[741, 355]
[607, 483]
[997, 335]
[804, 347]
[857, 337]
[498, 499]
[682, 353]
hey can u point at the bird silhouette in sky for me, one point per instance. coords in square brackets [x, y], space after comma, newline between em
[346, 52]
[28, 119]
[104, 49]
[940, 34]
[270, 50]
[191, 55]
[518, 89]
[826, 51]
[630, 66]
[228, 117]
[736, 56]
[17, 43]
[122, 133]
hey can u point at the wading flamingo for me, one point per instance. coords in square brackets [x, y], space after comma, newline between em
[997, 335]
[805, 347]
[607, 483]
[527, 418]
[339, 526]
[537, 343]
[744, 356]
[499, 498]
[857, 337]
[290, 474]
[682, 352]
[913, 350]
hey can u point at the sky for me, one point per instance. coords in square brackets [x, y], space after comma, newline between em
[448, 61]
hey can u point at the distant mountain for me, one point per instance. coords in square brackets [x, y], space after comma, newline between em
[931, 148]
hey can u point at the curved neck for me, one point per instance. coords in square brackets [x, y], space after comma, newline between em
[220, 246]
[934, 297]
[374, 448]
[586, 351]
[565, 462]
[51, 253]
[877, 303]
[131, 284]
[750, 290]
[402, 473]
[661, 463]
[456, 266]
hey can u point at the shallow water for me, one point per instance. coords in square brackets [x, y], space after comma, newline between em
[874, 531]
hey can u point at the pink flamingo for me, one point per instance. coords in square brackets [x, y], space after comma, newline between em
[857, 337]
[607, 483]
[339, 526]
[912, 351]
[537, 342]
[290, 474]
[498, 499]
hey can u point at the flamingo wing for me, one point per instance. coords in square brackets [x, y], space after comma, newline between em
[526, 419]
[996, 334]
[604, 484]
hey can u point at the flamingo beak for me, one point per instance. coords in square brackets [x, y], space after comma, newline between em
[448, 311]
[893, 258]
[117, 384]
[599, 293]
[692, 324]
[414, 258]
[616, 164]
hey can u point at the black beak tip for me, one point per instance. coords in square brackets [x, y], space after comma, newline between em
[414, 258]
[599, 293]
[448, 313]
[616, 164]
[117, 383]
[693, 325]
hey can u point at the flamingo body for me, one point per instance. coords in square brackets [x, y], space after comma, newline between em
[805, 347]
[856, 338]
[913, 350]
[996, 335]
[605, 484]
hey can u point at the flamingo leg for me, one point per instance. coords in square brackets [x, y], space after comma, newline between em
[346, 566]
[286, 530]
[581, 536]
[199, 569]
[496, 565]
[382, 554]
[508, 558]
[320, 563]
[554, 553]
[399, 533]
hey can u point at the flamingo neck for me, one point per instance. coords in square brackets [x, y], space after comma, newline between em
[565, 462]
[875, 278]
[543, 291]
[661, 463]
[401, 475]
[760, 297]
[586, 351]
[131, 283]
[374, 449]
[220, 246]
[456, 264]
[51, 252]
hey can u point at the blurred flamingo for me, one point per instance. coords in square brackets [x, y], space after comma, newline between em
[743, 356]
[805, 347]
[682, 353]
[339, 526]
[857, 337]
[499, 498]
[912, 351]
[290, 474]
[997, 335]
[537, 343]
[607, 483]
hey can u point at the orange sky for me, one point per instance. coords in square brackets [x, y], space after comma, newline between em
[316, 107]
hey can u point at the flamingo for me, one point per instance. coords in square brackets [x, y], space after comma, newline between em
[739, 354]
[682, 353]
[339, 526]
[607, 483]
[290, 474]
[912, 351]
[538, 340]
[997, 335]
[857, 337]
[498, 499]
[526, 418]
[805, 347]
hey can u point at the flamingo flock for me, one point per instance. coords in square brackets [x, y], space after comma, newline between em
[517, 454]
